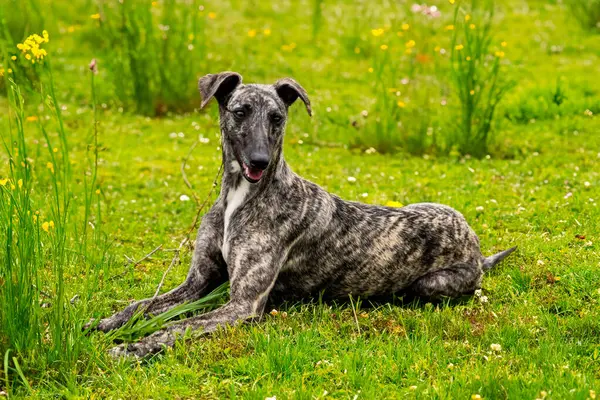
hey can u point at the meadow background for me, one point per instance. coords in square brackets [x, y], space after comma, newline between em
[490, 107]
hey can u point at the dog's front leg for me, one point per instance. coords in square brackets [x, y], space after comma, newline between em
[253, 275]
[208, 270]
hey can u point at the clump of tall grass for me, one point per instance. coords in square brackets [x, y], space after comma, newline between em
[154, 50]
[43, 235]
[477, 75]
[587, 12]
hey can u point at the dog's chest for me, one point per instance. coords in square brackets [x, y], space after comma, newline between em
[235, 198]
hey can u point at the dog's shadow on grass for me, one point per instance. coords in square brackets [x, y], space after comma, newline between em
[406, 301]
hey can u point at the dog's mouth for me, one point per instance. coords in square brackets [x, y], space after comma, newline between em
[252, 175]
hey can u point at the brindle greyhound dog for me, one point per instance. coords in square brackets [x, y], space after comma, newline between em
[274, 235]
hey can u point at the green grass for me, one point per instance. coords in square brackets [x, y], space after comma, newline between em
[538, 189]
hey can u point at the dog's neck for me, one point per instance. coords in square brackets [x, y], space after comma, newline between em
[278, 171]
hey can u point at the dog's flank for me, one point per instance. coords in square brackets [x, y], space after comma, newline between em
[276, 236]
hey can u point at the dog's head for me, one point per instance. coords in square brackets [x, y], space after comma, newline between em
[252, 117]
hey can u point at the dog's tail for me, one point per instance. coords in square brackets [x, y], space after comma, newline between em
[492, 261]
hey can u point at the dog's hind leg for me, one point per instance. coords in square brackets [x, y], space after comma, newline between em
[208, 270]
[448, 282]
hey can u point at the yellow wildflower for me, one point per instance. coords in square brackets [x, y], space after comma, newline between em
[377, 32]
[467, 17]
[212, 15]
[357, 50]
[71, 29]
[95, 16]
[371, 69]
[31, 47]
[503, 44]
[14, 58]
[267, 32]
[3, 182]
[97, 191]
[191, 37]
[468, 58]
[155, 4]
[35, 218]
[451, 1]
[437, 48]
[401, 104]
[410, 44]
[20, 183]
[383, 47]
[395, 204]
[55, 150]
[405, 27]
[459, 47]
[472, 92]
[399, 33]
[10, 70]
[449, 27]
[45, 226]
[408, 51]
[472, 26]
[51, 224]
[499, 54]
[31, 118]
[252, 33]
[50, 167]
[1, 71]
[476, 397]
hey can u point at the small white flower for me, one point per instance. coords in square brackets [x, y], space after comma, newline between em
[364, 195]
[479, 208]
[478, 293]
[496, 347]
[586, 184]
[483, 299]
[351, 179]
[271, 398]
[184, 197]
[568, 195]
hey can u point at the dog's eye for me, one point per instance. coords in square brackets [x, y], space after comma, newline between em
[276, 118]
[239, 113]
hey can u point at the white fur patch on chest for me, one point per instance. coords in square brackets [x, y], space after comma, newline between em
[235, 198]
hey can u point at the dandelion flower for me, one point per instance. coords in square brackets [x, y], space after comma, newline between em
[50, 167]
[410, 44]
[212, 15]
[451, 1]
[405, 27]
[503, 44]
[449, 27]
[476, 397]
[45, 226]
[472, 26]
[401, 104]
[267, 32]
[3, 182]
[371, 69]
[472, 92]
[377, 32]
[95, 16]
[499, 54]
[383, 47]
[395, 204]
[467, 17]
[468, 58]
[14, 58]
[10, 70]
[252, 33]
[20, 183]
[459, 47]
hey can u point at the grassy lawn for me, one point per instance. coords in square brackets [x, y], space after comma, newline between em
[535, 334]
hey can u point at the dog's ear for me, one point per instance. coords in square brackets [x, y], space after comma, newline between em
[218, 86]
[289, 90]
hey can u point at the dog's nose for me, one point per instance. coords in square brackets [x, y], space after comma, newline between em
[259, 161]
